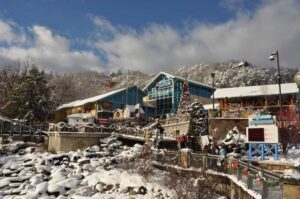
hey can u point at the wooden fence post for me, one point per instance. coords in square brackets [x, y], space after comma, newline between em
[249, 178]
[239, 173]
[264, 191]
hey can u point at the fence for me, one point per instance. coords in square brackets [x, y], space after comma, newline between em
[19, 128]
[267, 183]
[92, 127]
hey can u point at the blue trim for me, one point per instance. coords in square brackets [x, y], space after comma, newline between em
[263, 149]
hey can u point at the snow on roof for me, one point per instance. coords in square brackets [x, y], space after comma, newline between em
[137, 106]
[117, 110]
[80, 115]
[210, 106]
[250, 91]
[89, 100]
[176, 77]
[130, 107]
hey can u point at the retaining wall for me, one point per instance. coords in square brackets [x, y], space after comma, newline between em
[170, 129]
[66, 141]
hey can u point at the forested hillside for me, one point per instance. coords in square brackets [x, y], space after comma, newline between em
[73, 86]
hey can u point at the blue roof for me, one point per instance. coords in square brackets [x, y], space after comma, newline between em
[176, 77]
[92, 99]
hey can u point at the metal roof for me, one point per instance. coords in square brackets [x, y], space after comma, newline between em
[91, 99]
[176, 77]
[251, 91]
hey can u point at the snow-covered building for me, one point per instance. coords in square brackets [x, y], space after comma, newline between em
[159, 97]
[118, 114]
[102, 106]
[128, 111]
[240, 102]
[164, 92]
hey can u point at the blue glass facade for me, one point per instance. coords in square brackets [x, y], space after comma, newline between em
[167, 90]
[130, 96]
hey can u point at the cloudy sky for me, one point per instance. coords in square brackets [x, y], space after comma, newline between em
[107, 35]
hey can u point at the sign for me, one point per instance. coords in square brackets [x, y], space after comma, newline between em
[103, 121]
[262, 134]
[257, 120]
[164, 84]
[256, 134]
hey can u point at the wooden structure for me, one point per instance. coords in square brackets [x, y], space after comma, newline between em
[240, 102]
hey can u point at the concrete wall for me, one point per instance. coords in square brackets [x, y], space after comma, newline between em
[218, 127]
[171, 128]
[66, 141]
[291, 190]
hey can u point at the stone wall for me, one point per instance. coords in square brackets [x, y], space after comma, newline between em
[218, 127]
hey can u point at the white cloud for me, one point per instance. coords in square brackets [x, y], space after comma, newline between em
[49, 51]
[11, 33]
[274, 25]
[103, 24]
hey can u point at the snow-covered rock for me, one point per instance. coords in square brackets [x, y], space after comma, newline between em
[34, 175]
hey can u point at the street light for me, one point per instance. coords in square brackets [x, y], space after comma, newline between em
[297, 80]
[273, 56]
[213, 84]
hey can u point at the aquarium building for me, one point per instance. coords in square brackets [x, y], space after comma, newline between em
[164, 92]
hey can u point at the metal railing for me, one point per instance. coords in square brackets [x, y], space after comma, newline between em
[264, 182]
[14, 128]
[92, 127]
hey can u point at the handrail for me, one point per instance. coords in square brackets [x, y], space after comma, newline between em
[267, 173]
[272, 181]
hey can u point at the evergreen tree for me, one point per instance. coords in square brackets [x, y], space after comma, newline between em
[198, 119]
[30, 99]
[185, 101]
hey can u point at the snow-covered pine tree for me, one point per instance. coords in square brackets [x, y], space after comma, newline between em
[185, 101]
[31, 98]
[198, 119]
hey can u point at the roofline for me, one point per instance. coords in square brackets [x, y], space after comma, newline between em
[176, 77]
[117, 91]
[289, 93]
[252, 96]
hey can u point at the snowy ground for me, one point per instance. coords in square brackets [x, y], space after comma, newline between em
[98, 172]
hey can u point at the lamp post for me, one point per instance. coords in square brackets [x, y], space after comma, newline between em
[275, 55]
[297, 80]
[213, 84]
